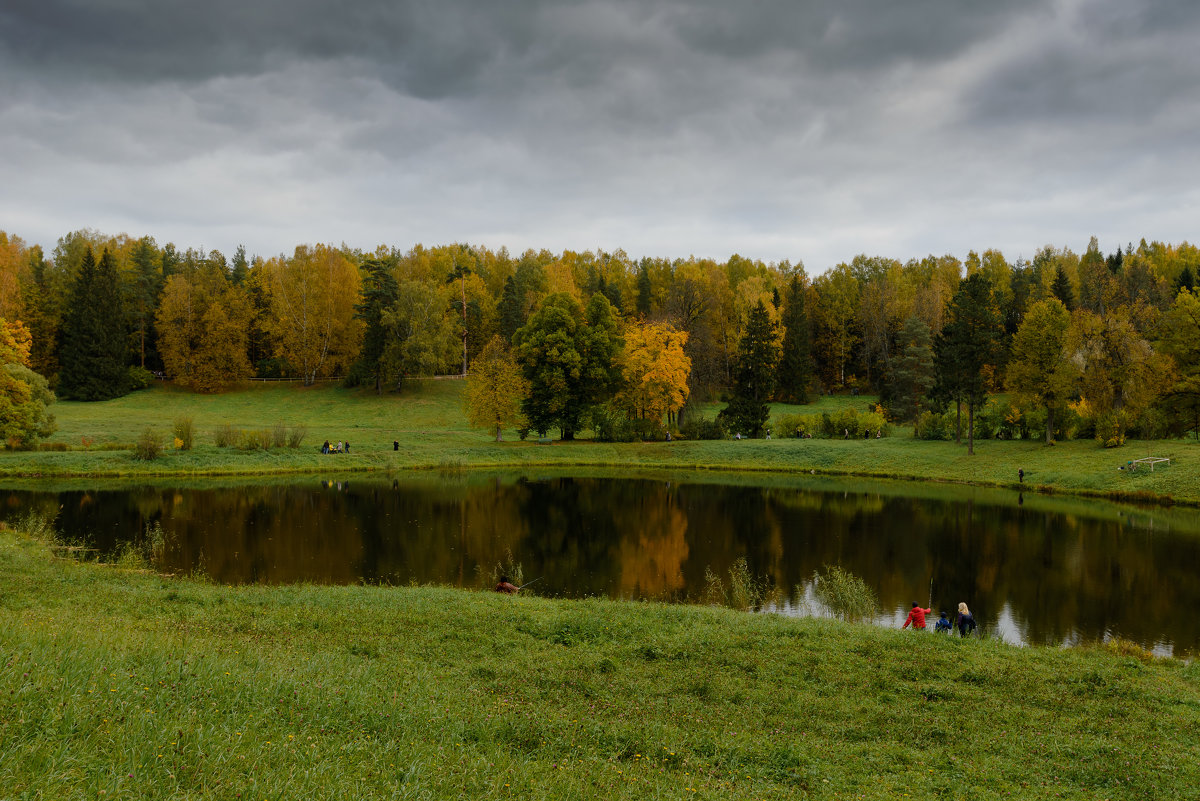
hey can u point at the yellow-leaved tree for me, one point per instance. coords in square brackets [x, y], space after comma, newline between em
[311, 298]
[495, 388]
[203, 323]
[655, 369]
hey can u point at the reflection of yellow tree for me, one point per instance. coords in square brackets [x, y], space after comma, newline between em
[654, 547]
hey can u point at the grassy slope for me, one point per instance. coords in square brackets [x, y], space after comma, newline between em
[120, 684]
[428, 421]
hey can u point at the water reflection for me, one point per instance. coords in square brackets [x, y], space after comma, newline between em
[1036, 570]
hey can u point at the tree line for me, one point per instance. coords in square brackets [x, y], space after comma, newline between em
[1093, 344]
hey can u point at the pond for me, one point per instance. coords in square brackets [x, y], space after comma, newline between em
[1034, 569]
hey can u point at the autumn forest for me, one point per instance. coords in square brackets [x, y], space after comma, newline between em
[1102, 345]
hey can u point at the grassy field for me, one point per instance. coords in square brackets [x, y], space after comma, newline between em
[118, 683]
[428, 422]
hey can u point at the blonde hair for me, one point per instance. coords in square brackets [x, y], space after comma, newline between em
[962, 609]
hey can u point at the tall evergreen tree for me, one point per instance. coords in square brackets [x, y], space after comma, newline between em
[93, 348]
[644, 288]
[1061, 288]
[143, 291]
[1186, 280]
[509, 310]
[795, 362]
[754, 375]
[39, 314]
[966, 345]
[241, 267]
[912, 370]
[380, 292]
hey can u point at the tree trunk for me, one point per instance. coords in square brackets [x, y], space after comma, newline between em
[498, 434]
[1049, 424]
[970, 429]
[958, 422]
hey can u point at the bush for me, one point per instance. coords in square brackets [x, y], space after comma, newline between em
[225, 436]
[185, 433]
[843, 593]
[699, 428]
[279, 435]
[797, 425]
[931, 425]
[149, 446]
[53, 446]
[138, 378]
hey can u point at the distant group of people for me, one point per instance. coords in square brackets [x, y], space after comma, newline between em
[341, 447]
[964, 621]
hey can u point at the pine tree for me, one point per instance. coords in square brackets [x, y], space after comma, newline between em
[967, 343]
[510, 310]
[241, 267]
[912, 371]
[795, 363]
[143, 293]
[1186, 280]
[643, 284]
[754, 376]
[93, 347]
[1061, 288]
[379, 293]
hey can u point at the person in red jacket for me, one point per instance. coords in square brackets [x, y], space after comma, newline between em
[916, 616]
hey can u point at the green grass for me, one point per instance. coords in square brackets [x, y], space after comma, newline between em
[428, 421]
[119, 683]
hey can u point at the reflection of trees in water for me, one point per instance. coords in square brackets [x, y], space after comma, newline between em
[1060, 574]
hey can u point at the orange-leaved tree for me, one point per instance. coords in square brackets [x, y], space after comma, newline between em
[655, 369]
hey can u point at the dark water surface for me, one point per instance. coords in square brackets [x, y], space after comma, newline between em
[1032, 568]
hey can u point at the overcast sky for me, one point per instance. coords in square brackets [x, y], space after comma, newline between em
[807, 131]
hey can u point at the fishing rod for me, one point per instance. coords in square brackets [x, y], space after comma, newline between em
[526, 584]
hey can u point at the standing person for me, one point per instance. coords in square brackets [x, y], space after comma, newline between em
[325, 447]
[966, 621]
[339, 446]
[347, 446]
[943, 625]
[916, 616]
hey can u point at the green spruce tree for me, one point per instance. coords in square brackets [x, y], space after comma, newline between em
[753, 377]
[93, 347]
[795, 362]
[966, 345]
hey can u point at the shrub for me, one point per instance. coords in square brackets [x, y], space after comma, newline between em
[931, 425]
[149, 446]
[797, 425]
[699, 428]
[53, 446]
[138, 378]
[185, 432]
[844, 594]
[225, 436]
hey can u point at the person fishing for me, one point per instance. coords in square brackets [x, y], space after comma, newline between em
[507, 587]
[916, 616]
[966, 621]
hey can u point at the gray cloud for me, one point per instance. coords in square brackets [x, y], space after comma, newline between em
[776, 129]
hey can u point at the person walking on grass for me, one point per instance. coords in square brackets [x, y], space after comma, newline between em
[916, 616]
[966, 621]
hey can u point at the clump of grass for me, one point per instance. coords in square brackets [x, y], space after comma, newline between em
[1123, 647]
[746, 591]
[226, 436]
[844, 594]
[185, 432]
[279, 435]
[295, 436]
[253, 440]
[37, 525]
[490, 577]
[149, 446]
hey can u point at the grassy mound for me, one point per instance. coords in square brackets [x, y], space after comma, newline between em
[118, 683]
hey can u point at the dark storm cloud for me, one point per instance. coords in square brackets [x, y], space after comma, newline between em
[776, 128]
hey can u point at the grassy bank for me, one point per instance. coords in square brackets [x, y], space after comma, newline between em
[123, 684]
[427, 421]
